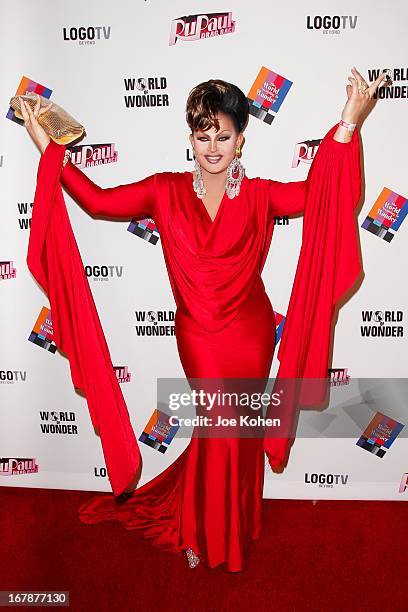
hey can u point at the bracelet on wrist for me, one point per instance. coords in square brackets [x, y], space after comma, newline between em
[349, 126]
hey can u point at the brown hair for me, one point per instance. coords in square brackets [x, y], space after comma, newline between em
[209, 98]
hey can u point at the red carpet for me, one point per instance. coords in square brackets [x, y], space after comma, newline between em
[332, 556]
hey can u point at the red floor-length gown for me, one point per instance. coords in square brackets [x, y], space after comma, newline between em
[210, 498]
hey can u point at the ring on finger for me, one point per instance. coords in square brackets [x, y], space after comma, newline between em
[362, 87]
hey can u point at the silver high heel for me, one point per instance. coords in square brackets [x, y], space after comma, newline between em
[192, 558]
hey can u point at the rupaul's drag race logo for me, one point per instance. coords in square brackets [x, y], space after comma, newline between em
[103, 273]
[15, 466]
[194, 27]
[147, 92]
[58, 422]
[338, 377]
[404, 483]
[86, 35]
[86, 156]
[305, 152]
[331, 24]
[154, 322]
[122, 374]
[382, 323]
[7, 270]
[9, 377]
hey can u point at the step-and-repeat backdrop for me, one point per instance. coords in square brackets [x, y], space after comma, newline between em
[124, 71]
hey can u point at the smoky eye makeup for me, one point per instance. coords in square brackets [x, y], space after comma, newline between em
[224, 137]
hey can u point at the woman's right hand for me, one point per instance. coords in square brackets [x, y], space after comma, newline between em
[36, 131]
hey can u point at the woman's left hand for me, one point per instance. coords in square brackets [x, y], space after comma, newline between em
[358, 101]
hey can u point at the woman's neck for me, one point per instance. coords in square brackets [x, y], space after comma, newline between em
[214, 183]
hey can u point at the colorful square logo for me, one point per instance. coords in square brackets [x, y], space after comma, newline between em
[379, 434]
[387, 214]
[267, 94]
[43, 332]
[280, 322]
[144, 228]
[25, 85]
[158, 433]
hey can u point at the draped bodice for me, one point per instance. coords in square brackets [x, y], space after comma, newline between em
[212, 264]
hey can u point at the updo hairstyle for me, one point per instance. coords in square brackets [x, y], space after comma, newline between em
[209, 98]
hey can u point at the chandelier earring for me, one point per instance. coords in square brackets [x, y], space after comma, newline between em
[235, 174]
[198, 183]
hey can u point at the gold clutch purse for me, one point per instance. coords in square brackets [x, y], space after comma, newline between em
[58, 124]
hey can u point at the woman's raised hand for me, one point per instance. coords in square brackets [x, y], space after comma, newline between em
[36, 131]
[357, 101]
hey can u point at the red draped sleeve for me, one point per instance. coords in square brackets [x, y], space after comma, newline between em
[329, 264]
[135, 199]
[55, 261]
[286, 199]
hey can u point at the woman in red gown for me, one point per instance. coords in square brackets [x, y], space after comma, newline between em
[215, 240]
